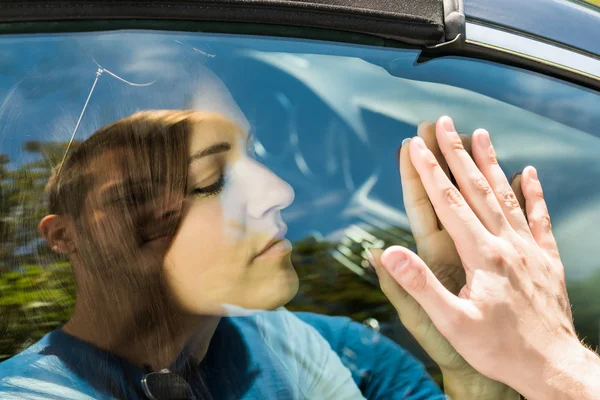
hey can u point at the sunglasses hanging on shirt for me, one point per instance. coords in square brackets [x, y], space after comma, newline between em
[166, 385]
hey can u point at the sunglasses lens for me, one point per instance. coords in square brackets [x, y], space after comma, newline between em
[166, 386]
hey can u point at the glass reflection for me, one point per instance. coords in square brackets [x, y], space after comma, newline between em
[323, 119]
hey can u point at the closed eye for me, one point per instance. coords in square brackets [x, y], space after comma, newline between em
[211, 190]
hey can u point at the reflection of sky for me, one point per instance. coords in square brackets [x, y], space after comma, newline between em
[327, 117]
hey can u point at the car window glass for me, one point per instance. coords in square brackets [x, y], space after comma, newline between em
[307, 132]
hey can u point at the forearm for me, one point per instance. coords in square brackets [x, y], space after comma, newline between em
[473, 385]
[575, 375]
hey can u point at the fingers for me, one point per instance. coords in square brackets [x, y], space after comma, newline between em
[537, 212]
[426, 131]
[485, 158]
[406, 306]
[421, 216]
[470, 179]
[450, 206]
[412, 315]
[415, 319]
[416, 279]
[516, 187]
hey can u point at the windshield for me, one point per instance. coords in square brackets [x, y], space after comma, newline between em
[280, 138]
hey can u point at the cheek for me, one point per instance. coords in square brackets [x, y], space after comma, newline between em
[204, 257]
[200, 237]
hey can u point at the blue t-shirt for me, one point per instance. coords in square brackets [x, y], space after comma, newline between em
[266, 355]
[380, 367]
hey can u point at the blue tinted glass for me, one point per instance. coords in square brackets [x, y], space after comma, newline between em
[327, 119]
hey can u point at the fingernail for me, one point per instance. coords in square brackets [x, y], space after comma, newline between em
[514, 176]
[534, 174]
[406, 141]
[448, 124]
[484, 138]
[420, 143]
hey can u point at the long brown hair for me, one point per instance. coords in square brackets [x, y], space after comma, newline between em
[145, 158]
[148, 153]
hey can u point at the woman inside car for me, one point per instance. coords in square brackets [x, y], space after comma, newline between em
[176, 241]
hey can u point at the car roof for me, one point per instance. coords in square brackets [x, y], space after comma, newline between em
[571, 23]
[421, 22]
[416, 21]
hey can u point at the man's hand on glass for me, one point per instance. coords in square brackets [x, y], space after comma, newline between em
[436, 248]
[508, 317]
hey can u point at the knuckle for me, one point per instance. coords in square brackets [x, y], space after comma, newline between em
[453, 196]
[537, 221]
[491, 156]
[415, 279]
[536, 193]
[431, 161]
[553, 253]
[481, 184]
[421, 201]
[494, 256]
[509, 199]
[521, 256]
[456, 143]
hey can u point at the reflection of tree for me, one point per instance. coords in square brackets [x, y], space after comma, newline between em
[23, 203]
[34, 301]
[7, 194]
[36, 289]
[328, 287]
[333, 277]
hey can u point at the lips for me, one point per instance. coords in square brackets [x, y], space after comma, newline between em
[268, 246]
[277, 238]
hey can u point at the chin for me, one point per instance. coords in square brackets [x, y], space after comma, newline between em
[283, 290]
[275, 290]
[279, 290]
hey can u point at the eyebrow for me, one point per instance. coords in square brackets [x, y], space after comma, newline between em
[214, 149]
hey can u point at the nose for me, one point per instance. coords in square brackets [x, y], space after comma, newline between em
[265, 191]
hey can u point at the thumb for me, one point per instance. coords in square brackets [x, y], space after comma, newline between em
[415, 277]
[400, 299]
[410, 312]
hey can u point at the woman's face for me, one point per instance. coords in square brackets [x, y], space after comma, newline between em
[230, 247]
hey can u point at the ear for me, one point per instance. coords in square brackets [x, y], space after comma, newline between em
[57, 232]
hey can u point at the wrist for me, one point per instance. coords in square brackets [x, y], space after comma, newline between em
[571, 373]
[471, 384]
